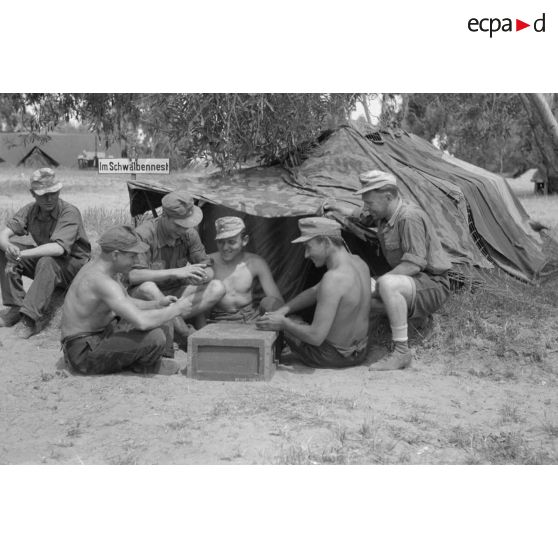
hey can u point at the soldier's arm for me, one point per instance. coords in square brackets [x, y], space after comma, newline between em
[327, 302]
[6, 245]
[300, 301]
[140, 275]
[52, 249]
[114, 296]
[412, 231]
[196, 249]
[263, 273]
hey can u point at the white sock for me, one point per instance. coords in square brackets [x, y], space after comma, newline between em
[399, 334]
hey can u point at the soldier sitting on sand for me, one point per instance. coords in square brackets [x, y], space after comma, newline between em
[238, 269]
[97, 298]
[175, 263]
[338, 334]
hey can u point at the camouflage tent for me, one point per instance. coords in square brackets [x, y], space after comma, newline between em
[479, 219]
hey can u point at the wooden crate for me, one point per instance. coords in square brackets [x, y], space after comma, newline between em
[229, 351]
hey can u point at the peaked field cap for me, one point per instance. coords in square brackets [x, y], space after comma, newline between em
[310, 227]
[227, 227]
[122, 238]
[179, 206]
[374, 180]
[43, 181]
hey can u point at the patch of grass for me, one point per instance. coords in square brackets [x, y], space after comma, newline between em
[96, 220]
[74, 431]
[341, 434]
[497, 448]
[184, 441]
[303, 455]
[366, 429]
[509, 413]
[127, 458]
[179, 424]
[64, 444]
[220, 408]
[414, 417]
[500, 317]
[482, 373]
[46, 376]
[549, 426]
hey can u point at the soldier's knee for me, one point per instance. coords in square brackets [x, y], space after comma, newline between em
[46, 262]
[384, 284]
[147, 291]
[156, 338]
[270, 304]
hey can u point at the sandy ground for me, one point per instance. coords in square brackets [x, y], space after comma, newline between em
[484, 402]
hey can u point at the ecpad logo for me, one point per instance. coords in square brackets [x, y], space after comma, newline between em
[492, 25]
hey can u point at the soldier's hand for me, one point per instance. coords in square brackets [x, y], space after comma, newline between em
[167, 301]
[13, 253]
[330, 205]
[195, 274]
[271, 321]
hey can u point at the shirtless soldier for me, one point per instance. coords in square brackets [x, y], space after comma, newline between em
[338, 334]
[91, 343]
[238, 270]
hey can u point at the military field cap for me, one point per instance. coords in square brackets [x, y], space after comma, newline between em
[43, 181]
[227, 227]
[123, 238]
[374, 180]
[179, 206]
[311, 227]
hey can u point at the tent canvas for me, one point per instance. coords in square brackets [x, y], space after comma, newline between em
[478, 218]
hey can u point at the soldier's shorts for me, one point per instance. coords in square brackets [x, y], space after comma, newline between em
[327, 355]
[430, 292]
[109, 351]
[247, 314]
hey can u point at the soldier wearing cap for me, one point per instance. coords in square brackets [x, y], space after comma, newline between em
[238, 270]
[417, 284]
[61, 249]
[97, 299]
[338, 334]
[176, 262]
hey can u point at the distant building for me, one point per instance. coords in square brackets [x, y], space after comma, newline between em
[64, 150]
[90, 159]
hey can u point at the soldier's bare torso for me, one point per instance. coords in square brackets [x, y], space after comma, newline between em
[238, 278]
[352, 317]
[84, 311]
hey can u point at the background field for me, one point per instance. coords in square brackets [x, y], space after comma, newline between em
[483, 388]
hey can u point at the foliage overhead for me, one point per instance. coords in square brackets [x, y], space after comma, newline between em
[488, 130]
[227, 129]
[233, 128]
[494, 131]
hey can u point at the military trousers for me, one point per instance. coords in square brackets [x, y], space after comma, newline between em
[112, 350]
[47, 273]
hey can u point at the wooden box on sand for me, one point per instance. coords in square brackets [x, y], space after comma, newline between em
[230, 351]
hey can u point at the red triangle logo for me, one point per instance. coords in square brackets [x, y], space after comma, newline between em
[519, 25]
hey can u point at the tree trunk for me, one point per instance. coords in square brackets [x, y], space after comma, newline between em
[364, 103]
[404, 111]
[545, 131]
[546, 116]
